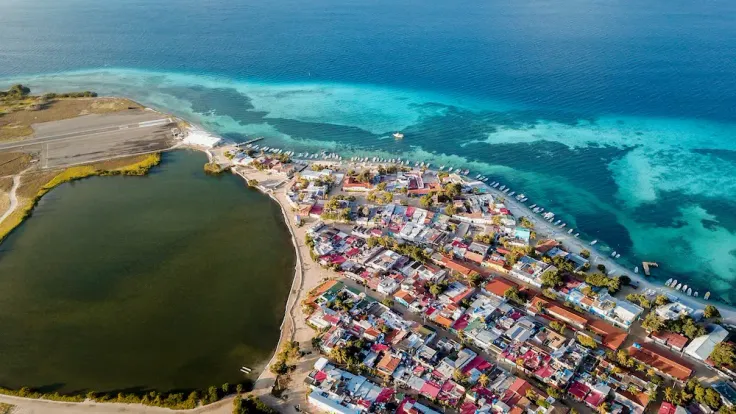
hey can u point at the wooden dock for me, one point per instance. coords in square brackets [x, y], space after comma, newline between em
[647, 265]
[242, 144]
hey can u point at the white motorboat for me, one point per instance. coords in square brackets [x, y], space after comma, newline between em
[696, 294]
[511, 194]
[593, 242]
[679, 285]
[689, 291]
[613, 254]
[684, 288]
[570, 231]
[706, 296]
[636, 269]
[618, 255]
[563, 225]
[398, 135]
[667, 283]
[577, 234]
[532, 206]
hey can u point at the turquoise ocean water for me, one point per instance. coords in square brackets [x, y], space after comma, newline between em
[619, 118]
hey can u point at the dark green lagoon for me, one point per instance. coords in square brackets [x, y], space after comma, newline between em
[170, 281]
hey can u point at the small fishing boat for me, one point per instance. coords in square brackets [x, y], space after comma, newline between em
[495, 185]
[532, 206]
[477, 176]
[706, 296]
[563, 225]
[570, 231]
[618, 255]
[689, 291]
[636, 269]
[558, 222]
[593, 242]
[398, 135]
[684, 288]
[679, 285]
[502, 187]
[511, 194]
[696, 294]
[485, 179]
[673, 284]
[667, 283]
[442, 168]
[613, 254]
[577, 234]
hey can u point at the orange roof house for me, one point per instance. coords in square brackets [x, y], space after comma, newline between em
[612, 337]
[559, 312]
[498, 286]
[388, 364]
[662, 361]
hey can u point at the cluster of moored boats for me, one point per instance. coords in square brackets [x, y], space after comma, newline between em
[673, 284]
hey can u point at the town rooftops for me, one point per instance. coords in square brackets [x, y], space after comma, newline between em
[702, 346]
[662, 360]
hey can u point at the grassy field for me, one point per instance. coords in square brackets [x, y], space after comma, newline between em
[12, 163]
[17, 115]
[35, 184]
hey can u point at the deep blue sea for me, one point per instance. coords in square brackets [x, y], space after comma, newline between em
[619, 116]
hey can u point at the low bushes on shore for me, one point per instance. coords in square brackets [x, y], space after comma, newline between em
[173, 400]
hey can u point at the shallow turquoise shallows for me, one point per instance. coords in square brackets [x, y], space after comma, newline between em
[170, 281]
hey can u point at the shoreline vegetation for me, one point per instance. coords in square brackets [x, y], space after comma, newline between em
[173, 400]
[138, 165]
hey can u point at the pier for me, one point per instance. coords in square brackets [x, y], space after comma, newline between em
[242, 144]
[646, 266]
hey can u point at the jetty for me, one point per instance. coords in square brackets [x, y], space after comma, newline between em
[243, 144]
[647, 265]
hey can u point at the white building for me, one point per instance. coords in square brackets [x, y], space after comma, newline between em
[701, 347]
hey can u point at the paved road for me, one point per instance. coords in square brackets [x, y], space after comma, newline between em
[83, 134]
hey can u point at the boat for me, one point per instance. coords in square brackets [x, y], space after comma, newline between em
[667, 283]
[398, 135]
[563, 225]
[636, 269]
[558, 222]
[689, 291]
[684, 288]
[495, 185]
[679, 285]
[532, 206]
[442, 168]
[696, 294]
[511, 194]
[613, 254]
[506, 191]
[541, 209]
[502, 187]
[674, 282]
[593, 242]
[618, 255]
[577, 234]
[706, 296]
[570, 231]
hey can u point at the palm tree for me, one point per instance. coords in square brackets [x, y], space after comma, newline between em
[483, 380]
